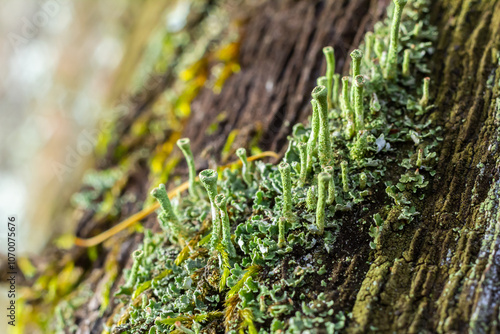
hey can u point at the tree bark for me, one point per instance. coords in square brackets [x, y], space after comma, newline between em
[441, 273]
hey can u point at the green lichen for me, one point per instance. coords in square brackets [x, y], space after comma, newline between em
[276, 228]
[185, 145]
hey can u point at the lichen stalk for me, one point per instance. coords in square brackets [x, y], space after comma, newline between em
[303, 163]
[359, 83]
[335, 92]
[311, 198]
[208, 178]
[168, 218]
[161, 196]
[286, 182]
[392, 56]
[245, 170]
[368, 47]
[379, 50]
[331, 185]
[281, 232]
[362, 181]
[325, 148]
[147, 245]
[330, 70]
[322, 81]
[425, 95]
[347, 112]
[406, 63]
[132, 278]
[345, 179]
[419, 158]
[323, 180]
[221, 203]
[356, 56]
[313, 137]
[185, 145]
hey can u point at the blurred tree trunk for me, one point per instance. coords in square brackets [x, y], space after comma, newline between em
[447, 278]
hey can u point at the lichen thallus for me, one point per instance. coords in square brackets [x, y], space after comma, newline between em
[324, 174]
[318, 146]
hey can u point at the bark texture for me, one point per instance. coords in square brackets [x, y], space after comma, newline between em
[441, 274]
[444, 276]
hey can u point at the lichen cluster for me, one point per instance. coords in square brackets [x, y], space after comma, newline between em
[240, 251]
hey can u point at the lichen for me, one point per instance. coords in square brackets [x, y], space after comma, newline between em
[285, 220]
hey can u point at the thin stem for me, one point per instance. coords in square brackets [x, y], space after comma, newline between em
[425, 96]
[221, 203]
[168, 218]
[281, 235]
[406, 63]
[345, 103]
[345, 180]
[331, 185]
[392, 57]
[303, 163]
[313, 137]
[245, 171]
[185, 146]
[368, 47]
[330, 70]
[208, 178]
[325, 147]
[362, 181]
[323, 180]
[286, 181]
[132, 278]
[346, 109]
[335, 93]
[161, 196]
[419, 158]
[359, 83]
[147, 244]
[379, 50]
[356, 56]
[322, 81]
[311, 199]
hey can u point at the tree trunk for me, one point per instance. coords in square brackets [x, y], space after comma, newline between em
[441, 273]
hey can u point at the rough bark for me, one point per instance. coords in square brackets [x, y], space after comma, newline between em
[441, 273]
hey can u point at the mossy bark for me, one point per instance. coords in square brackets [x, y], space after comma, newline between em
[441, 272]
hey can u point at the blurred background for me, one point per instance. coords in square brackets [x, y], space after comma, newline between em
[63, 68]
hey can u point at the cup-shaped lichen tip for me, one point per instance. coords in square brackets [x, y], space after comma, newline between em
[220, 201]
[359, 81]
[185, 146]
[322, 81]
[208, 176]
[184, 143]
[357, 54]
[319, 92]
[138, 254]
